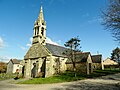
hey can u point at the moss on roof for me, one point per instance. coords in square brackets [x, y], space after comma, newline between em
[96, 58]
[80, 57]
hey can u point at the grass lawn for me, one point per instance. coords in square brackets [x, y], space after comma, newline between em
[65, 77]
[68, 76]
[4, 76]
[98, 73]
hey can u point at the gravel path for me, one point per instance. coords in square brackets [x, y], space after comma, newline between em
[110, 82]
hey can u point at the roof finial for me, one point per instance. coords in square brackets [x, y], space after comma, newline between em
[41, 17]
[41, 5]
[41, 9]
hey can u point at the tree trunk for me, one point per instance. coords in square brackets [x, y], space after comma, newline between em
[73, 61]
[119, 65]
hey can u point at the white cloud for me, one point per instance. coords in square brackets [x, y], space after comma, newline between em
[1, 42]
[7, 58]
[31, 39]
[59, 42]
[50, 41]
[30, 43]
[23, 48]
[4, 58]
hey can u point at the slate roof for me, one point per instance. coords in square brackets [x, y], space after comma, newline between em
[56, 50]
[15, 61]
[80, 57]
[96, 58]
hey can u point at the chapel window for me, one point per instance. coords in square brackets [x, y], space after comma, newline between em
[37, 30]
[37, 23]
[42, 23]
[42, 31]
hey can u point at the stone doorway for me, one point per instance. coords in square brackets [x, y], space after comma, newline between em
[90, 68]
[43, 67]
[23, 71]
[33, 71]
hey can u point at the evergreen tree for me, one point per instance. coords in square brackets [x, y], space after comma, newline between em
[115, 55]
[73, 45]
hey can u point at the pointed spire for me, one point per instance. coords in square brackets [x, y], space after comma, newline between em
[41, 17]
[41, 9]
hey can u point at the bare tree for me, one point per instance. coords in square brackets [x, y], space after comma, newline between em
[111, 18]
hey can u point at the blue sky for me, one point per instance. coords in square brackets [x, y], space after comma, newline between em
[65, 19]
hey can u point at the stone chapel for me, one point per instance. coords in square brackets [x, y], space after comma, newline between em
[43, 57]
[49, 59]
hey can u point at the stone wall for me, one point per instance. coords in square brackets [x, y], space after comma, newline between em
[89, 65]
[29, 66]
[80, 67]
[51, 65]
[55, 65]
[97, 66]
[10, 67]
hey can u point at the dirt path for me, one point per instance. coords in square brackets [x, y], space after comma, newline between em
[110, 82]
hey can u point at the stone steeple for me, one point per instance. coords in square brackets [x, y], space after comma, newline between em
[41, 17]
[40, 29]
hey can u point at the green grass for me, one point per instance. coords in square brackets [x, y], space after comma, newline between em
[65, 77]
[98, 73]
[42, 80]
[4, 76]
[107, 71]
[68, 76]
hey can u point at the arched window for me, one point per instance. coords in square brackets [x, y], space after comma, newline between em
[42, 23]
[37, 30]
[42, 31]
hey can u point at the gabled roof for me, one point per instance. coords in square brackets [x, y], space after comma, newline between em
[37, 51]
[96, 58]
[108, 61]
[80, 57]
[15, 61]
[56, 50]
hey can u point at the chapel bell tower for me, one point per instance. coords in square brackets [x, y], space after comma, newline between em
[40, 29]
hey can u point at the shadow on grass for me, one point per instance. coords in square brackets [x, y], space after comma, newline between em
[69, 76]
